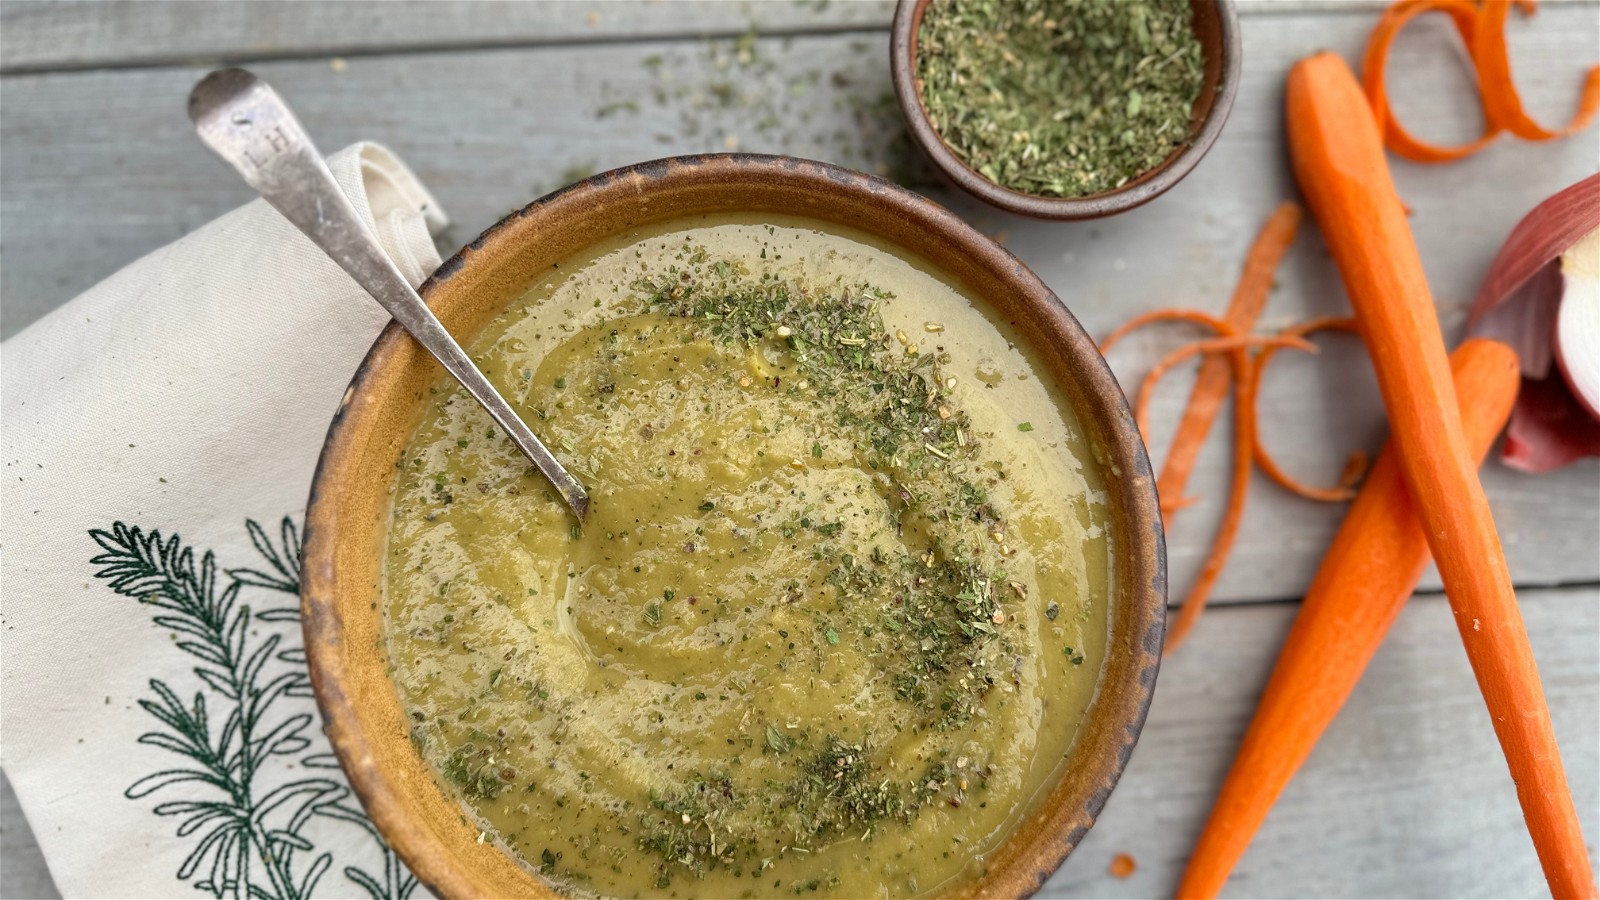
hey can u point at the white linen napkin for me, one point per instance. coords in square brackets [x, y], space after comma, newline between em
[160, 435]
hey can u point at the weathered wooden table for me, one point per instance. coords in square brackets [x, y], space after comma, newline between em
[494, 104]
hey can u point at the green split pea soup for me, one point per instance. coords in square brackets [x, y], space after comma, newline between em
[840, 603]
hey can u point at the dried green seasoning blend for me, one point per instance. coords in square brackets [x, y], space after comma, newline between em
[834, 616]
[1060, 98]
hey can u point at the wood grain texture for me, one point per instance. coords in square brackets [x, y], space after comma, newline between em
[102, 167]
[46, 35]
[1407, 795]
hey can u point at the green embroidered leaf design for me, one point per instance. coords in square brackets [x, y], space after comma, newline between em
[286, 566]
[249, 841]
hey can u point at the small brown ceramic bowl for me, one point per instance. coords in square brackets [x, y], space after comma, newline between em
[351, 496]
[1216, 23]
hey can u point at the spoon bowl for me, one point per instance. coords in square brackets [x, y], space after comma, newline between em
[245, 121]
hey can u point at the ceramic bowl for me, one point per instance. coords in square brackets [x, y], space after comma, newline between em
[1216, 24]
[351, 496]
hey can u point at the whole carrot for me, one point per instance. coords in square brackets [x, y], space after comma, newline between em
[1365, 579]
[1339, 162]
[1214, 380]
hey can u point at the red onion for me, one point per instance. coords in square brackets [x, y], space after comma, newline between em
[1542, 297]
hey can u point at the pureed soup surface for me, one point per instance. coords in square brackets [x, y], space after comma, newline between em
[838, 608]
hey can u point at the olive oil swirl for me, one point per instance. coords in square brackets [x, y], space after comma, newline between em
[834, 616]
[938, 599]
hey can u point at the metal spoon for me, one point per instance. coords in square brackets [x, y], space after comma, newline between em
[240, 117]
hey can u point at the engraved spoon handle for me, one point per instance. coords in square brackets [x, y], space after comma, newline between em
[241, 118]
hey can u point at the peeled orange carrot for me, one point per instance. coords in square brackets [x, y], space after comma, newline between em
[1338, 160]
[1365, 579]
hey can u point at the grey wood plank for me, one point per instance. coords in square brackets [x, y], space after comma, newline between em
[102, 167]
[108, 171]
[47, 35]
[1407, 794]
[23, 873]
[44, 35]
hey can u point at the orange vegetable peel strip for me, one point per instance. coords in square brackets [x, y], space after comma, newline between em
[1194, 602]
[1500, 99]
[1212, 381]
[1364, 581]
[1170, 506]
[1194, 316]
[1483, 30]
[1355, 469]
[1222, 544]
[1170, 503]
[1264, 460]
[1339, 162]
[1232, 343]
[1464, 13]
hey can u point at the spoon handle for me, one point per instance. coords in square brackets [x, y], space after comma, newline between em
[245, 121]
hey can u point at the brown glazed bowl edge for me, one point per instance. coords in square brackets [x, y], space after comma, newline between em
[347, 513]
[1216, 23]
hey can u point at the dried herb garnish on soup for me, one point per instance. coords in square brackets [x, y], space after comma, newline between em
[1060, 98]
[835, 615]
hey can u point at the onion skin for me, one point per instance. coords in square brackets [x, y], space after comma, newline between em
[1519, 304]
[1549, 428]
[1539, 239]
[1577, 335]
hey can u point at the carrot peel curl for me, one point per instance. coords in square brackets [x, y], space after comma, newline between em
[1355, 465]
[1482, 27]
[1244, 424]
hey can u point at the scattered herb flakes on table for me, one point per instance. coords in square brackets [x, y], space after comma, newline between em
[1061, 98]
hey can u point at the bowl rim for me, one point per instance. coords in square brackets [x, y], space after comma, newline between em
[445, 860]
[1141, 190]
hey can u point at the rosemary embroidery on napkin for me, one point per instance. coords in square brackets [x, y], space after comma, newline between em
[253, 829]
